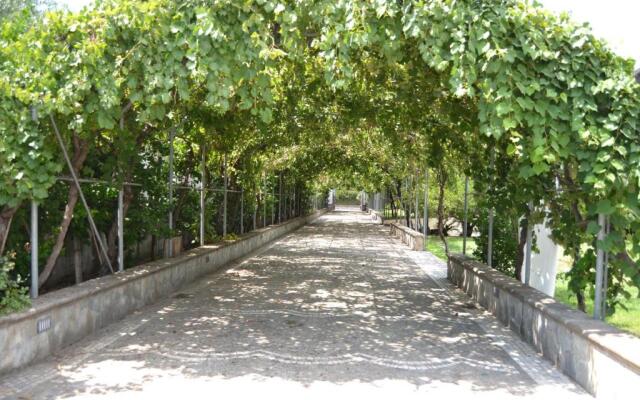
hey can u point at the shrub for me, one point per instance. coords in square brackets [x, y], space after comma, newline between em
[13, 295]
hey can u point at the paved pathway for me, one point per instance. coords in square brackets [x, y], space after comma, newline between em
[337, 309]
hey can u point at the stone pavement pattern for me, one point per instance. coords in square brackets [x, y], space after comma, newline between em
[337, 308]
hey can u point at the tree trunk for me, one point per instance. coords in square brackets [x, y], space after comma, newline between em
[81, 149]
[6, 217]
[522, 242]
[112, 237]
[442, 181]
[582, 305]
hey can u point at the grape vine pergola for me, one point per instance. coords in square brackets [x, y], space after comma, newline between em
[539, 114]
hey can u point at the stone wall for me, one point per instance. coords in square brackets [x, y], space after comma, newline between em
[602, 359]
[376, 216]
[413, 239]
[67, 315]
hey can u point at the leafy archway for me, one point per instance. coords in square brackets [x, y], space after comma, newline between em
[373, 87]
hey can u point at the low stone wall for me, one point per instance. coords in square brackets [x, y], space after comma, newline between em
[413, 239]
[602, 359]
[376, 216]
[60, 318]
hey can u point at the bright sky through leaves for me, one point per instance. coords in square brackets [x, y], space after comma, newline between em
[613, 20]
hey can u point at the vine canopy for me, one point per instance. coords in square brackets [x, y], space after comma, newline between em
[536, 87]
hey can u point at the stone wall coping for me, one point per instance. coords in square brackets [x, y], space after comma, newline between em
[406, 229]
[70, 294]
[616, 343]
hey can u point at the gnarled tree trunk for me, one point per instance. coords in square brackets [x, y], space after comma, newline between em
[80, 149]
[6, 217]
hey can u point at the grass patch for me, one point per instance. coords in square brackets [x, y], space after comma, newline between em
[435, 246]
[628, 320]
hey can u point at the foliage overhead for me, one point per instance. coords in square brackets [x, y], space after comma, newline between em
[369, 89]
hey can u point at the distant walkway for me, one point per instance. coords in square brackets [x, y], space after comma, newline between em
[334, 310]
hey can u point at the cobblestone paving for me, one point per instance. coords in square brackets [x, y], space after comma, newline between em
[336, 309]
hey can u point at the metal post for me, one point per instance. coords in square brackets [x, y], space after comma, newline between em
[491, 211]
[273, 206]
[466, 216]
[417, 207]
[224, 204]
[597, 304]
[264, 206]
[606, 271]
[527, 260]
[101, 246]
[263, 197]
[172, 134]
[121, 230]
[490, 240]
[280, 200]
[425, 228]
[241, 211]
[203, 194]
[255, 216]
[34, 250]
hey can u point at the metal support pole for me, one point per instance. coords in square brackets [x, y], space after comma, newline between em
[280, 200]
[263, 197]
[527, 260]
[101, 246]
[172, 134]
[34, 250]
[597, 304]
[241, 211]
[224, 206]
[273, 206]
[465, 222]
[490, 239]
[606, 271]
[425, 228]
[491, 212]
[121, 230]
[203, 196]
[417, 206]
[255, 216]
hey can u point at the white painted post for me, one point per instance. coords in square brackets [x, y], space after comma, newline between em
[34, 250]
[121, 230]
[597, 304]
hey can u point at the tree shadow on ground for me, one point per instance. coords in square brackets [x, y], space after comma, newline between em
[336, 304]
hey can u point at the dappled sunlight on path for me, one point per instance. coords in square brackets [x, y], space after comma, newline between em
[335, 309]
